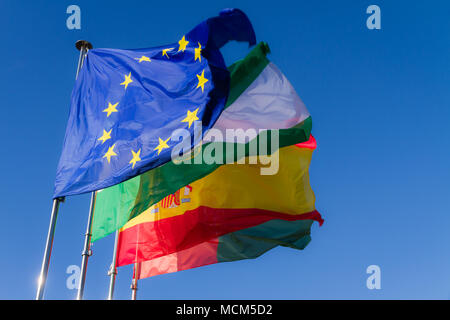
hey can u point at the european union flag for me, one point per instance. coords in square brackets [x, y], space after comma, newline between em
[126, 104]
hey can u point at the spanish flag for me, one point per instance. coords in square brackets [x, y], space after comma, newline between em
[234, 213]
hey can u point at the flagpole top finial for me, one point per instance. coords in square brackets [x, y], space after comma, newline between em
[83, 43]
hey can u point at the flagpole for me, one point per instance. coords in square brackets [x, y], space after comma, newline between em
[87, 252]
[134, 282]
[83, 46]
[48, 249]
[113, 270]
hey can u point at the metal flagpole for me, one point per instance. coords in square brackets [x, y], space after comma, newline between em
[86, 250]
[48, 249]
[134, 282]
[83, 46]
[113, 270]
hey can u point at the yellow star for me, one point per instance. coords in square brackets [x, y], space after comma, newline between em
[162, 145]
[143, 58]
[111, 108]
[110, 153]
[198, 53]
[202, 80]
[127, 81]
[183, 43]
[106, 135]
[164, 52]
[136, 157]
[191, 117]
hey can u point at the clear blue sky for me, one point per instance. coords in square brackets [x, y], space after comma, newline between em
[380, 103]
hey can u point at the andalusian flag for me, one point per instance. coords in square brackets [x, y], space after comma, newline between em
[234, 213]
[260, 97]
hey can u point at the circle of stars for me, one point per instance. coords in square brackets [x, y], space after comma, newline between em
[191, 116]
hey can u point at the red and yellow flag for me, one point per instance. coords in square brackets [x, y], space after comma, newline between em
[206, 221]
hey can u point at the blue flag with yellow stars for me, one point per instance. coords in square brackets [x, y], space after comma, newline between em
[126, 104]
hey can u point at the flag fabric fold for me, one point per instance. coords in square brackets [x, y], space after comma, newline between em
[126, 104]
[260, 98]
[232, 198]
[248, 243]
[231, 24]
